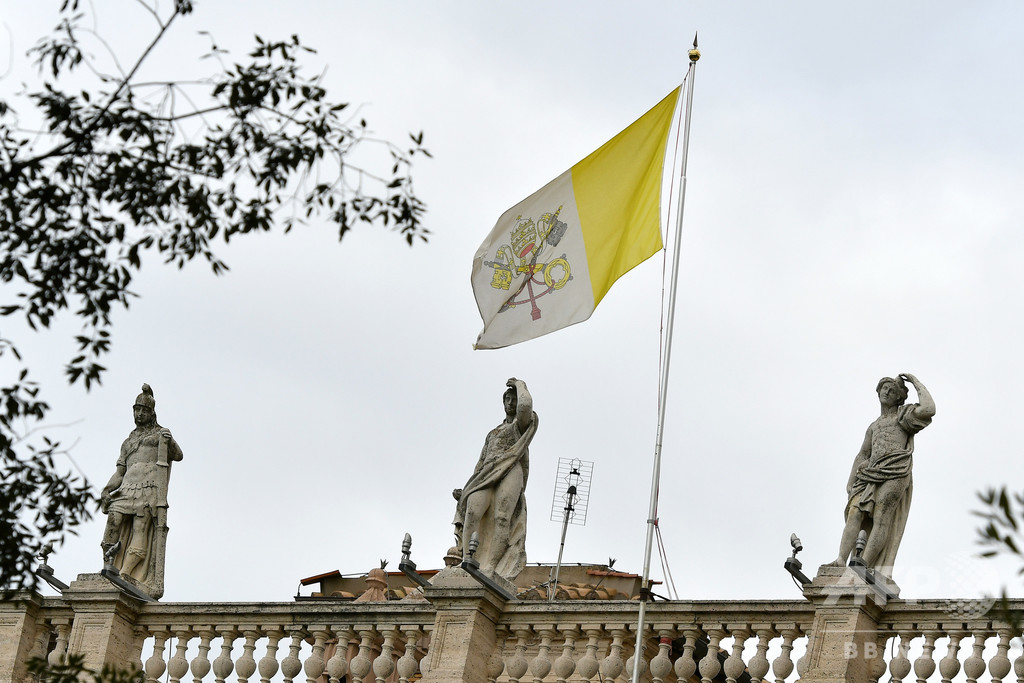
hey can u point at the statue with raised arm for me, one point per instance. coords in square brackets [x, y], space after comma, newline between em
[880, 484]
[135, 500]
[493, 501]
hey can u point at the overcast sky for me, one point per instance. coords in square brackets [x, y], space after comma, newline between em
[854, 210]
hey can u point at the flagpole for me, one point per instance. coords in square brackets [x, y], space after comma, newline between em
[652, 515]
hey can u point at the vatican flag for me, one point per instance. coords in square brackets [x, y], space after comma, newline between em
[552, 257]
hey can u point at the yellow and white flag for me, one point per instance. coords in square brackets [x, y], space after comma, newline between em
[552, 257]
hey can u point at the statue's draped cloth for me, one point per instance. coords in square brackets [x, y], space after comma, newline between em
[892, 451]
[505, 448]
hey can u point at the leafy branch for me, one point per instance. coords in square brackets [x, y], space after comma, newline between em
[75, 671]
[1003, 518]
[113, 169]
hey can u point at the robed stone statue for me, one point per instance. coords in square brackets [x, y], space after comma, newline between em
[493, 501]
[880, 485]
[135, 500]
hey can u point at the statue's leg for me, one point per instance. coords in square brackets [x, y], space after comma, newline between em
[112, 530]
[854, 523]
[506, 497]
[476, 508]
[887, 497]
[138, 547]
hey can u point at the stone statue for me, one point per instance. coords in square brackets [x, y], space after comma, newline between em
[135, 500]
[880, 483]
[493, 501]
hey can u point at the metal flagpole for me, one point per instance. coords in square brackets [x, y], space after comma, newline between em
[652, 519]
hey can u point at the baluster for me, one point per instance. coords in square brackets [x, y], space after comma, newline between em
[268, 665]
[428, 632]
[782, 667]
[359, 667]
[974, 665]
[804, 661]
[384, 664]
[877, 668]
[223, 665]
[661, 665]
[924, 666]
[495, 665]
[734, 666]
[587, 666]
[999, 665]
[337, 667]
[201, 664]
[710, 666]
[1018, 668]
[177, 666]
[408, 665]
[314, 665]
[134, 657]
[541, 664]
[519, 665]
[245, 667]
[949, 667]
[42, 644]
[155, 665]
[566, 665]
[758, 666]
[290, 665]
[59, 655]
[611, 665]
[899, 667]
[685, 666]
[632, 658]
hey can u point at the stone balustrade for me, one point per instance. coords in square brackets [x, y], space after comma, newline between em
[707, 640]
[294, 641]
[528, 641]
[961, 640]
[285, 641]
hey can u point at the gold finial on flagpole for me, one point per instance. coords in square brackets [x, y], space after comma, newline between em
[694, 53]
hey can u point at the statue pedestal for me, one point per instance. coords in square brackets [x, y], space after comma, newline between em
[20, 625]
[104, 626]
[858, 583]
[844, 646]
[463, 639]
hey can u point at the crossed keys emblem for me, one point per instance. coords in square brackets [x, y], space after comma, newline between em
[529, 241]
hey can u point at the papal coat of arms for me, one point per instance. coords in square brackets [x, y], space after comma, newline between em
[529, 242]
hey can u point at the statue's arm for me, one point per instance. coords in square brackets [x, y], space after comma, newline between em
[524, 404]
[115, 481]
[173, 449]
[925, 408]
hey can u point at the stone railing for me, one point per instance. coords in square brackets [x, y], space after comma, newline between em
[284, 641]
[589, 641]
[922, 637]
[463, 632]
[236, 641]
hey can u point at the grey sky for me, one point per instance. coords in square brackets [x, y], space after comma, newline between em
[854, 210]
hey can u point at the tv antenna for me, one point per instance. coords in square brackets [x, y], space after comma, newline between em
[572, 492]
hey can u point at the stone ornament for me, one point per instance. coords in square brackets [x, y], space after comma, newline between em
[880, 485]
[493, 501]
[135, 500]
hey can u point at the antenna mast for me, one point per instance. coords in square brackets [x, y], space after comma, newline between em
[572, 493]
